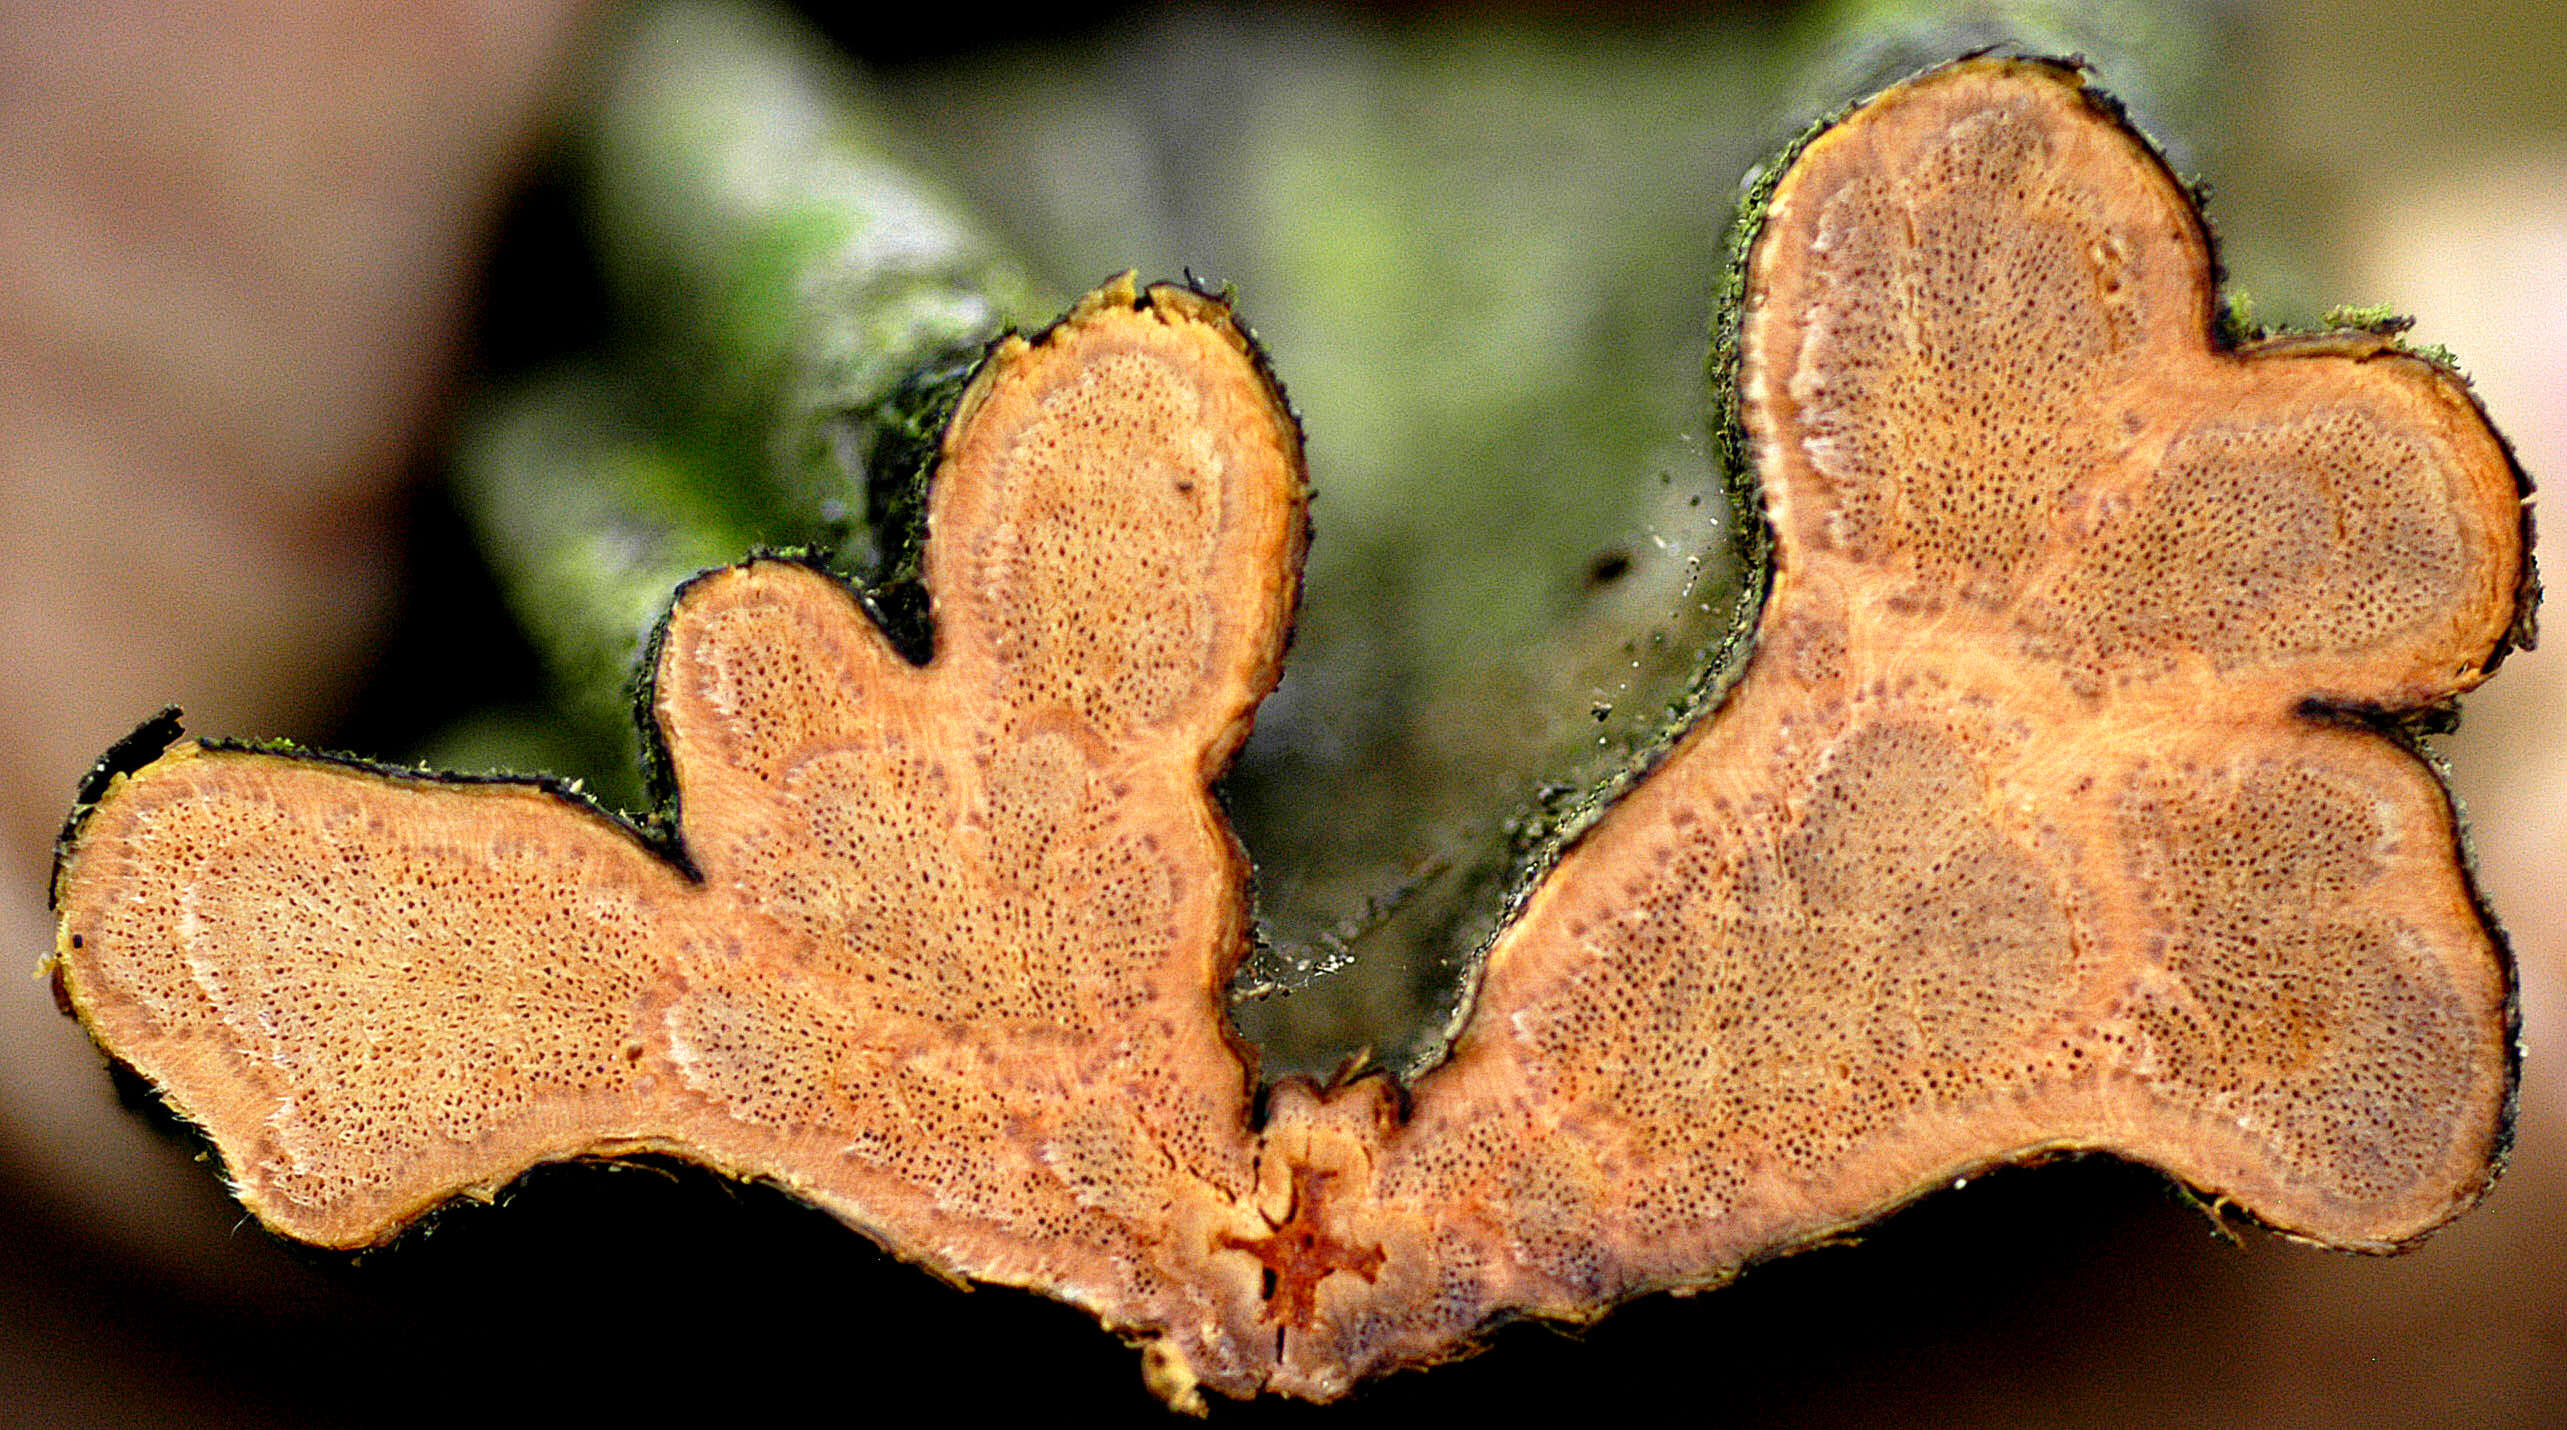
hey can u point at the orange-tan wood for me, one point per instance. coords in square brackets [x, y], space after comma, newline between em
[943, 949]
[2034, 824]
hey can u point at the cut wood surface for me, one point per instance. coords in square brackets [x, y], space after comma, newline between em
[2058, 807]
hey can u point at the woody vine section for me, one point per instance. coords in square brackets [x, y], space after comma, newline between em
[2059, 800]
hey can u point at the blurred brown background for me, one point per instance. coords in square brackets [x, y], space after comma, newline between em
[252, 262]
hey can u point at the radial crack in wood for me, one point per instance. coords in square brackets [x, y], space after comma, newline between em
[2036, 822]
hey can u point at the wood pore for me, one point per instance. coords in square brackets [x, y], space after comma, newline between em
[2035, 823]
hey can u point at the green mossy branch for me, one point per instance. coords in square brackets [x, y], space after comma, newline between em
[792, 306]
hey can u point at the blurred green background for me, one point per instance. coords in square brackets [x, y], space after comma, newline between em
[265, 281]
